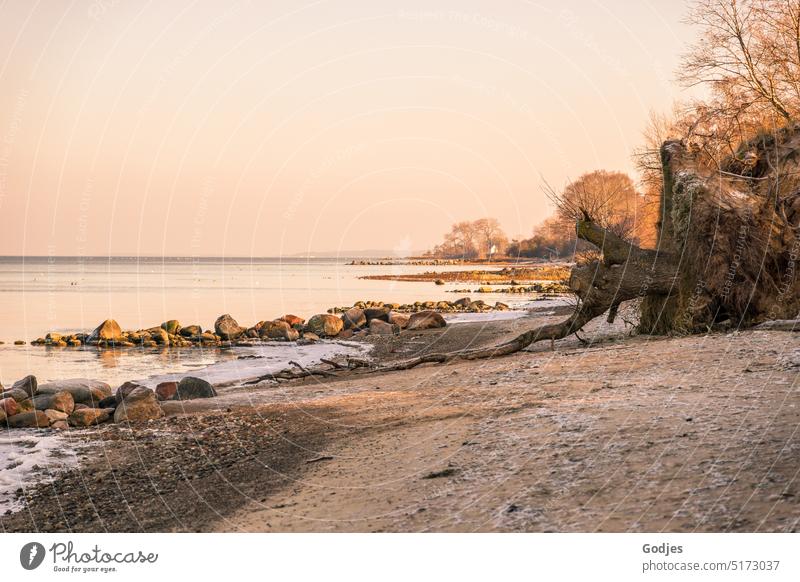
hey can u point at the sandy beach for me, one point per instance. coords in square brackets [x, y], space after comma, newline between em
[678, 434]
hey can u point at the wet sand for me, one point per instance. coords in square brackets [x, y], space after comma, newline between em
[697, 433]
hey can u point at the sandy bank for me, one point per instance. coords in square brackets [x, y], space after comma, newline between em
[640, 434]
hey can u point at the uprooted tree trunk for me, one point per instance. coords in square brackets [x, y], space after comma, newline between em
[728, 241]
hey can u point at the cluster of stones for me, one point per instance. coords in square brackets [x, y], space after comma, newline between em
[340, 323]
[82, 403]
[227, 330]
[549, 288]
[171, 333]
[463, 305]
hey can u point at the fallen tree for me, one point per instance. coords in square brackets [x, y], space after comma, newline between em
[728, 241]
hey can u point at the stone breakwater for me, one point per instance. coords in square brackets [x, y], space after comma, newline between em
[352, 321]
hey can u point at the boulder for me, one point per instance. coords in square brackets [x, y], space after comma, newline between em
[26, 405]
[3, 417]
[139, 406]
[293, 320]
[190, 388]
[379, 327]
[62, 401]
[191, 330]
[28, 384]
[324, 325]
[89, 416]
[381, 313]
[279, 330]
[227, 328]
[89, 392]
[399, 319]
[167, 390]
[123, 391]
[18, 395]
[35, 419]
[59, 425]
[108, 331]
[425, 320]
[462, 303]
[500, 306]
[159, 335]
[56, 415]
[172, 326]
[9, 406]
[205, 338]
[354, 318]
[477, 306]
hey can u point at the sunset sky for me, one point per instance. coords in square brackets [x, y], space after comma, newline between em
[280, 127]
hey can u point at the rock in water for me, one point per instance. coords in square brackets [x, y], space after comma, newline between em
[62, 401]
[227, 328]
[139, 406]
[190, 388]
[28, 384]
[123, 391]
[172, 326]
[462, 303]
[83, 391]
[159, 335]
[293, 320]
[35, 419]
[399, 319]
[378, 327]
[381, 313]
[109, 330]
[89, 416]
[279, 330]
[191, 331]
[167, 390]
[354, 318]
[425, 320]
[324, 325]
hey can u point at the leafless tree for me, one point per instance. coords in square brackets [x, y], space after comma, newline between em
[610, 198]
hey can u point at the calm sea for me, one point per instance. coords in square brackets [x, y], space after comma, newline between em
[64, 294]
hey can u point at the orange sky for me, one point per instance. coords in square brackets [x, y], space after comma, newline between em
[279, 127]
